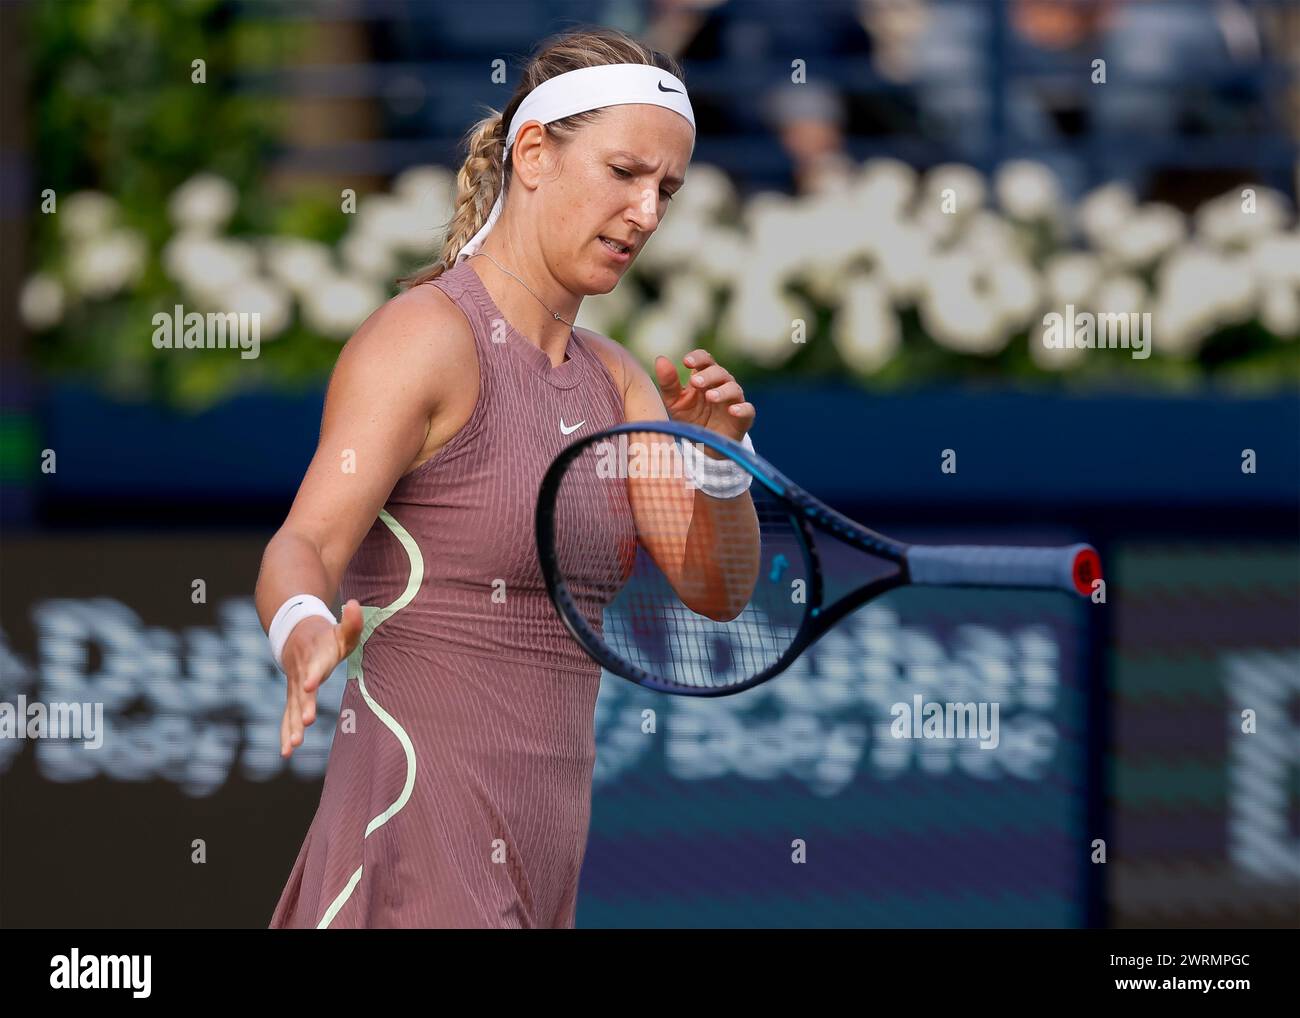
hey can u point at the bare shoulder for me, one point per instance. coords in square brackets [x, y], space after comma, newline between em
[641, 398]
[419, 335]
[621, 365]
[411, 369]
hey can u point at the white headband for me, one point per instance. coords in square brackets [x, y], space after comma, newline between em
[588, 88]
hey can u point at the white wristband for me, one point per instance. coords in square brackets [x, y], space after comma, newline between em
[720, 478]
[293, 611]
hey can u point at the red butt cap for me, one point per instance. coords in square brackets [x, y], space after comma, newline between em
[1087, 568]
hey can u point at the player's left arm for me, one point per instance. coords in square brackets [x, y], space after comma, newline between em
[707, 548]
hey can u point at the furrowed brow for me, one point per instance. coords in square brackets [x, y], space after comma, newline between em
[645, 167]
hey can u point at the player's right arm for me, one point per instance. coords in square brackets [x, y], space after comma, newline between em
[395, 396]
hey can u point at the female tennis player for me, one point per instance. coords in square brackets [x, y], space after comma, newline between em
[458, 789]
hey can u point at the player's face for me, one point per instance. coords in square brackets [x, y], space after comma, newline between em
[618, 176]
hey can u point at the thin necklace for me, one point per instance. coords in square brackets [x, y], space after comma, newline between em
[554, 314]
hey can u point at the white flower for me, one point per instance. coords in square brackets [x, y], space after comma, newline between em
[434, 186]
[940, 228]
[206, 265]
[825, 282]
[903, 254]
[1104, 211]
[601, 312]
[822, 244]
[336, 305]
[708, 193]
[429, 192]
[400, 225]
[1072, 277]
[1276, 258]
[949, 195]
[1236, 291]
[298, 264]
[1014, 290]
[1175, 331]
[760, 319]
[661, 330]
[368, 256]
[674, 244]
[767, 219]
[990, 237]
[721, 256]
[691, 299]
[1280, 311]
[834, 238]
[885, 187]
[1122, 294]
[86, 214]
[803, 236]
[204, 202]
[1052, 358]
[1225, 222]
[261, 297]
[866, 330]
[954, 311]
[1198, 289]
[40, 303]
[101, 265]
[1027, 190]
[1146, 235]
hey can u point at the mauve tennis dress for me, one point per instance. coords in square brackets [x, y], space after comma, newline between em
[463, 796]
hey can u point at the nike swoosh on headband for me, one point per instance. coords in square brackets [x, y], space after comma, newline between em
[663, 89]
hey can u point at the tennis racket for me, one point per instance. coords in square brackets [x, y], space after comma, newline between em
[697, 595]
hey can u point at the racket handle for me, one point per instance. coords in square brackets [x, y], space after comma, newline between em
[1072, 568]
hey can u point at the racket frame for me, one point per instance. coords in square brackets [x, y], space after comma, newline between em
[803, 509]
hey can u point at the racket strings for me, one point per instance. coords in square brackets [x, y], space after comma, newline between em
[698, 592]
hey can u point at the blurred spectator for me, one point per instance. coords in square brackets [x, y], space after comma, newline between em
[756, 29]
[752, 40]
[809, 121]
[1047, 48]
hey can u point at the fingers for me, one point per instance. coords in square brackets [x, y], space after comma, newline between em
[697, 360]
[726, 392]
[743, 412]
[714, 374]
[716, 385]
[348, 631]
[318, 668]
[285, 748]
[313, 650]
[299, 713]
[291, 725]
[326, 652]
[308, 704]
[670, 386]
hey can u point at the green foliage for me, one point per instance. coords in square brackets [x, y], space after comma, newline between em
[115, 109]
